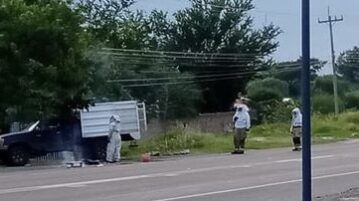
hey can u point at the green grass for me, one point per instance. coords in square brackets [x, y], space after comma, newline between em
[325, 129]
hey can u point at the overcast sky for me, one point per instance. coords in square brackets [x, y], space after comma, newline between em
[287, 15]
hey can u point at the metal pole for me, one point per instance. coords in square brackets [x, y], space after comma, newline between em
[306, 171]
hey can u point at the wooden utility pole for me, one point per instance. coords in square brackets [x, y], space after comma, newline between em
[330, 21]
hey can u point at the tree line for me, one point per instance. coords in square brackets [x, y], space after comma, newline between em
[60, 55]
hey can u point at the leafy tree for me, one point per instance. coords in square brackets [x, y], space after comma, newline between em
[103, 17]
[128, 71]
[43, 71]
[290, 72]
[348, 65]
[223, 34]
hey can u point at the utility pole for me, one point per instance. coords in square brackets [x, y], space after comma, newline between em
[306, 155]
[330, 21]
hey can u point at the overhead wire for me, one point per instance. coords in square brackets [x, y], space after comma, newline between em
[195, 81]
[188, 59]
[201, 65]
[204, 76]
[178, 52]
[189, 77]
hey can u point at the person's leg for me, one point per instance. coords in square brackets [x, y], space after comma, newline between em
[243, 138]
[110, 152]
[300, 138]
[296, 139]
[237, 139]
[117, 152]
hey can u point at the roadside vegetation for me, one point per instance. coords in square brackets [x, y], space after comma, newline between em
[325, 129]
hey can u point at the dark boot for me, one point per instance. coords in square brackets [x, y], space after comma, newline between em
[238, 151]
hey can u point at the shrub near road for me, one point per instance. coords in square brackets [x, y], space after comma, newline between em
[326, 128]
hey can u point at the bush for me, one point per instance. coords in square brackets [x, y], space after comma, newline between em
[352, 100]
[266, 95]
[325, 84]
[175, 140]
[324, 103]
[280, 113]
[267, 89]
[351, 117]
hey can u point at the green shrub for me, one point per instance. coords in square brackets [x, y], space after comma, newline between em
[352, 100]
[175, 140]
[351, 117]
[324, 103]
[325, 84]
[267, 89]
[280, 113]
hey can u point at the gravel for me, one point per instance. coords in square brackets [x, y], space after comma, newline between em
[349, 195]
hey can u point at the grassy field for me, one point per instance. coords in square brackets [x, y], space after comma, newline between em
[324, 129]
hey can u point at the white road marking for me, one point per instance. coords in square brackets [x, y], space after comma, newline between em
[77, 186]
[299, 159]
[165, 174]
[256, 187]
[35, 188]
[289, 160]
[84, 183]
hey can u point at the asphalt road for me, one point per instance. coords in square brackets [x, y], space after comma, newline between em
[269, 175]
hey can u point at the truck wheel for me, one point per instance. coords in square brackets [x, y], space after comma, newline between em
[18, 155]
[100, 150]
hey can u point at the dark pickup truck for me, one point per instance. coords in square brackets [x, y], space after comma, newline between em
[38, 139]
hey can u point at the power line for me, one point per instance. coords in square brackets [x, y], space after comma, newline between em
[180, 53]
[189, 77]
[178, 83]
[203, 80]
[187, 59]
[278, 67]
[206, 65]
[173, 57]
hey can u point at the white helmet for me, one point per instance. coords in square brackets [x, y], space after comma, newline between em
[296, 111]
[115, 118]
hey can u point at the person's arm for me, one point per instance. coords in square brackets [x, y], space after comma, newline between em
[248, 120]
[110, 133]
[235, 117]
[291, 125]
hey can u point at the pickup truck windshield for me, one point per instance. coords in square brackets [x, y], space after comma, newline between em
[31, 127]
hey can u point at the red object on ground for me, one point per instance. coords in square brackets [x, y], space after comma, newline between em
[146, 157]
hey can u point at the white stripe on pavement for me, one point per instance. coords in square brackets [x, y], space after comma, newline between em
[255, 187]
[300, 159]
[74, 184]
[165, 174]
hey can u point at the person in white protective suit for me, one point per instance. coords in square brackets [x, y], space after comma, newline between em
[296, 129]
[113, 153]
[242, 124]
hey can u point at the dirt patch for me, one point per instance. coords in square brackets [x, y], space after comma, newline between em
[349, 195]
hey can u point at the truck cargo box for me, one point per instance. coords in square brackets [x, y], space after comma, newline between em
[95, 120]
